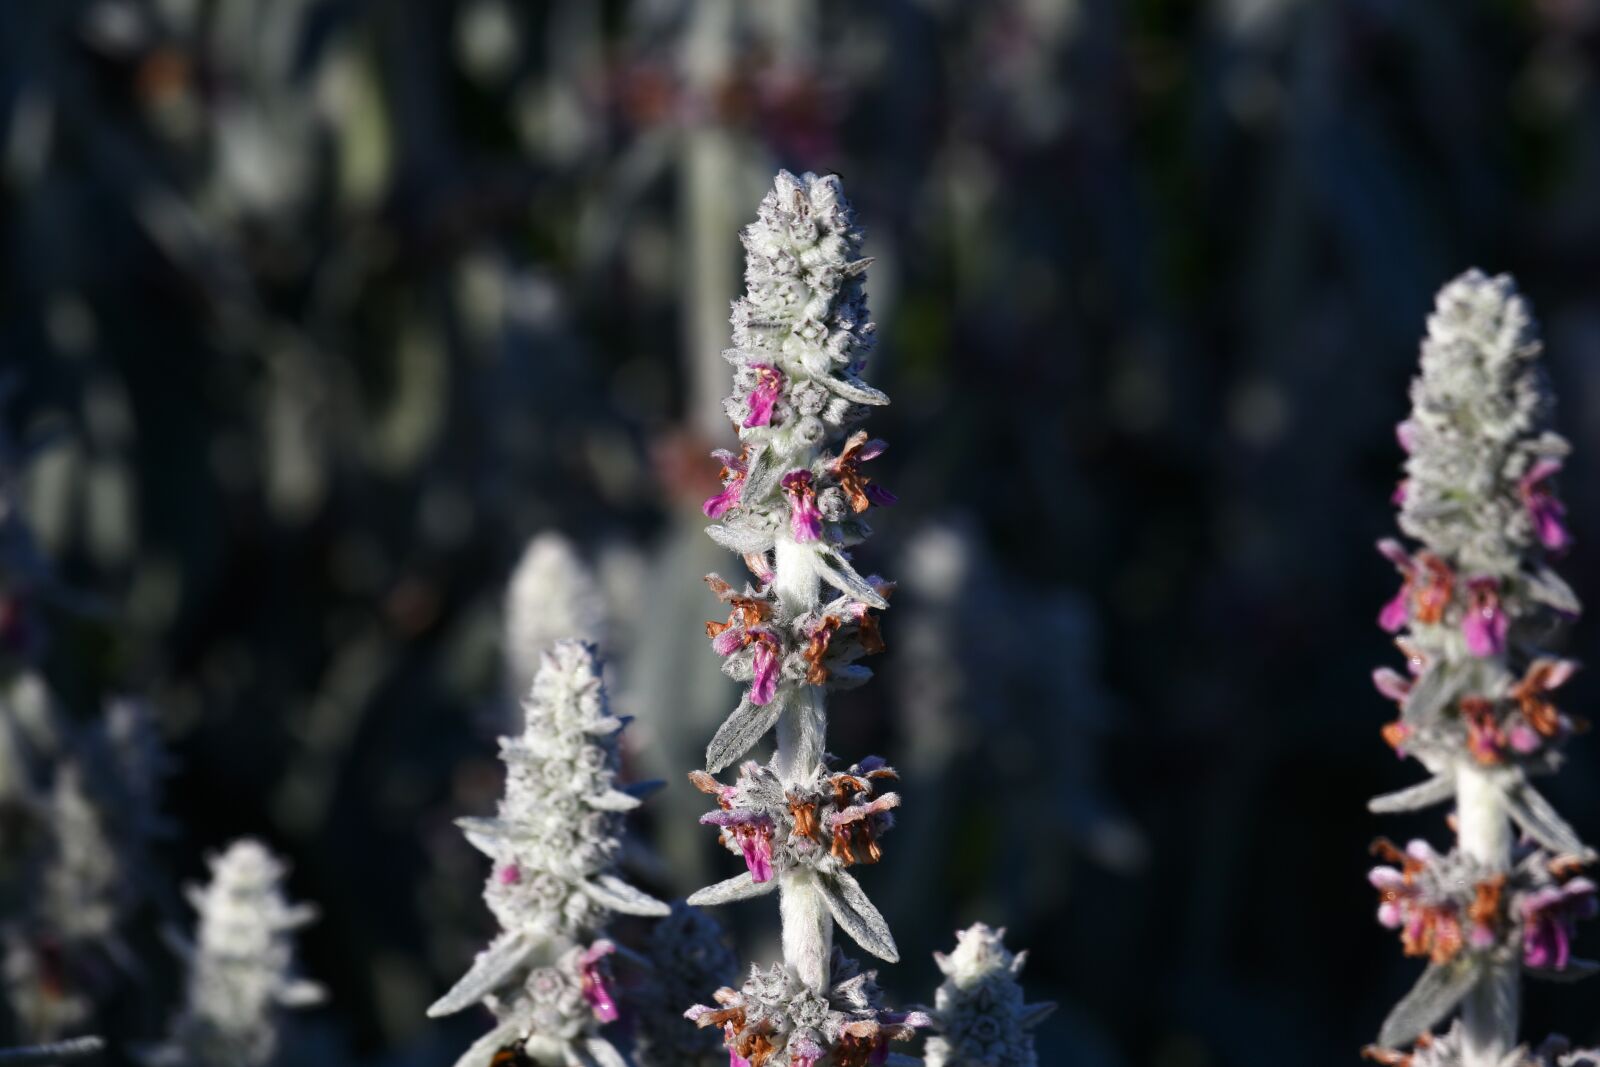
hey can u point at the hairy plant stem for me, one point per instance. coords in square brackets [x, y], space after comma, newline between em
[807, 926]
[1489, 1015]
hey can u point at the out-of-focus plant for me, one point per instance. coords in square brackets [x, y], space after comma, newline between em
[979, 1016]
[241, 965]
[1478, 605]
[790, 507]
[552, 884]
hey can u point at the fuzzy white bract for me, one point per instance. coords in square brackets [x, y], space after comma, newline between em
[979, 1015]
[1477, 606]
[241, 966]
[552, 883]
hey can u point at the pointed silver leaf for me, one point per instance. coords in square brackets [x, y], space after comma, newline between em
[856, 391]
[618, 895]
[491, 970]
[1034, 1014]
[741, 730]
[1534, 814]
[1436, 790]
[857, 916]
[613, 800]
[603, 1052]
[741, 887]
[837, 572]
[1436, 994]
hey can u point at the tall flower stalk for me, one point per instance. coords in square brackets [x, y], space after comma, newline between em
[1477, 605]
[553, 884]
[793, 501]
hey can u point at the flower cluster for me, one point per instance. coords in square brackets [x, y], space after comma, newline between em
[827, 822]
[777, 652]
[552, 884]
[1447, 905]
[688, 956]
[979, 1017]
[1477, 604]
[777, 1020]
[241, 968]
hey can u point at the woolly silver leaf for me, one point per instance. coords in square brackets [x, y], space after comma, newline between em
[1436, 994]
[857, 916]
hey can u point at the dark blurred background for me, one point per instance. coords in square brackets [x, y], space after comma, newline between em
[320, 309]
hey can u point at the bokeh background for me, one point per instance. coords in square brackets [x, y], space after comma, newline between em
[314, 312]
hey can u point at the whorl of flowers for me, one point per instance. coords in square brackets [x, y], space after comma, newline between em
[1477, 603]
[793, 500]
[688, 956]
[777, 1020]
[979, 1017]
[552, 885]
[241, 967]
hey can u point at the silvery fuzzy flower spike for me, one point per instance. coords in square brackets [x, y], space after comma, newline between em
[979, 1017]
[1477, 601]
[241, 967]
[552, 883]
[689, 957]
[793, 501]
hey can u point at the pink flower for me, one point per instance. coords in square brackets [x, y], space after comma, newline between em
[753, 833]
[510, 874]
[769, 384]
[805, 521]
[1392, 617]
[1544, 507]
[1484, 625]
[734, 469]
[730, 1036]
[764, 686]
[1549, 921]
[594, 981]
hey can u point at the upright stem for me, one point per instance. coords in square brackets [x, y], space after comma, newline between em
[807, 926]
[1489, 1015]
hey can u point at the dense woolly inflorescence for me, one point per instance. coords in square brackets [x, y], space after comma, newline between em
[793, 502]
[552, 885]
[241, 967]
[775, 1019]
[979, 1017]
[1477, 607]
[689, 957]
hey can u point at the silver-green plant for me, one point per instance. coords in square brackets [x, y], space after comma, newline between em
[553, 885]
[793, 502]
[241, 965]
[1477, 606]
[979, 1016]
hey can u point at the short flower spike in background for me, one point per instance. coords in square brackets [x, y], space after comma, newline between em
[552, 883]
[979, 1016]
[1477, 604]
[241, 967]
